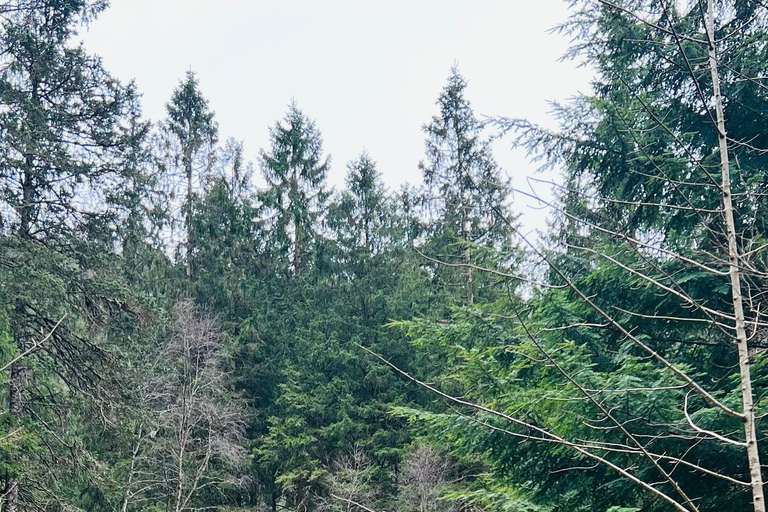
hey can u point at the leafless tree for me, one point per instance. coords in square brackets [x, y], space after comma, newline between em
[426, 472]
[192, 440]
[350, 483]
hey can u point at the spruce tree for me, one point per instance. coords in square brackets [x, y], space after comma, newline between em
[465, 192]
[191, 134]
[362, 211]
[295, 171]
[66, 130]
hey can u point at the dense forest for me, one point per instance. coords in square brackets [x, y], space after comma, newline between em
[174, 337]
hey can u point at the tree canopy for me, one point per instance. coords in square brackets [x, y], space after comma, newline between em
[182, 329]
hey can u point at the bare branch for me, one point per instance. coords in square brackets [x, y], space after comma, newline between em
[34, 346]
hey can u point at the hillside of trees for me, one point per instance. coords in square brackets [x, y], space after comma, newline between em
[174, 337]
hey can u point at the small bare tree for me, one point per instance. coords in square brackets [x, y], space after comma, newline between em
[193, 439]
[425, 474]
[351, 483]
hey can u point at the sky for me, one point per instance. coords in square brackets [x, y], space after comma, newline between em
[367, 71]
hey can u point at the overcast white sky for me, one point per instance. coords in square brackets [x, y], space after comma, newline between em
[368, 71]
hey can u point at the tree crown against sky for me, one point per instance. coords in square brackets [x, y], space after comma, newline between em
[311, 349]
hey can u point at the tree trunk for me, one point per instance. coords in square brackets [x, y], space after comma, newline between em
[466, 235]
[18, 375]
[466, 209]
[297, 246]
[298, 242]
[131, 472]
[15, 388]
[753, 455]
[16, 384]
[188, 171]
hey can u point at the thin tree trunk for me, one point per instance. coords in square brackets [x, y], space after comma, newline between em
[18, 374]
[15, 388]
[470, 276]
[466, 208]
[180, 470]
[465, 239]
[188, 171]
[298, 242]
[753, 455]
[183, 426]
[128, 493]
[298, 246]
[16, 383]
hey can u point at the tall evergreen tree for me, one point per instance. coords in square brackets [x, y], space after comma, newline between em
[295, 171]
[465, 191]
[362, 212]
[230, 258]
[66, 130]
[192, 133]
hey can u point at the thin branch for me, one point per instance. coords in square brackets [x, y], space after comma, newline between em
[351, 502]
[708, 432]
[584, 298]
[648, 23]
[33, 347]
[621, 426]
[487, 270]
[551, 437]
[683, 296]
[622, 236]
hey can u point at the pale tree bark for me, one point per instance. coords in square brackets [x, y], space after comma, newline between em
[131, 472]
[735, 268]
[734, 260]
[198, 425]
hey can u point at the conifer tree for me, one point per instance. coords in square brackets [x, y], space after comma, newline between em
[231, 242]
[362, 212]
[465, 191]
[295, 171]
[192, 133]
[66, 130]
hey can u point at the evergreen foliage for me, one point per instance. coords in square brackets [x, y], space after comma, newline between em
[300, 348]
